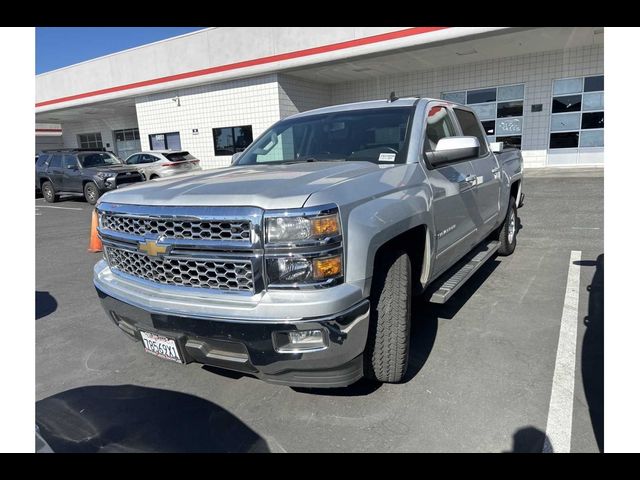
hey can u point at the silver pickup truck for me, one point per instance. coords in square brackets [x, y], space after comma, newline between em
[297, 264]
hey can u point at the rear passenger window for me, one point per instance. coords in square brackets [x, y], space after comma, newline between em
[439, 125]
[471, 128]
[70, 161]
[56, 161]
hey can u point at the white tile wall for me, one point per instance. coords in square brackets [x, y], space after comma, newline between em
[104, 125]
[536, 70]
[298, 95]
[261, 101]
[251, 101]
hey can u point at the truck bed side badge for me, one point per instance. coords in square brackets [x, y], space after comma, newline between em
[445, 231]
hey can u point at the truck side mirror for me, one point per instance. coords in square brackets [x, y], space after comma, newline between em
[235, 157]
[496, 147]
[453, 149]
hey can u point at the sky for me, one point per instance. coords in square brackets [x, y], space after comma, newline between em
[58, 47]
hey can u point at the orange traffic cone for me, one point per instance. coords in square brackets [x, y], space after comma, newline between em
[95, 244]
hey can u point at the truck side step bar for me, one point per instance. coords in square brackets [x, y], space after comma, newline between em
[450, 281]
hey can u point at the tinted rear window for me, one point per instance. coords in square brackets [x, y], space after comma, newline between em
[179, 156]
[56, 161]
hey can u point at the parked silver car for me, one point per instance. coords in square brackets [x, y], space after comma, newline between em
[163, 163]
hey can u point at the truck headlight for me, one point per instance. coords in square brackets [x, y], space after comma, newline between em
[105, 175]
[297, 270]
[300, 228]
[303, 247]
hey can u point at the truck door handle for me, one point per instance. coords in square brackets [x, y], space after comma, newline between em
[469, 181]
[495, 170]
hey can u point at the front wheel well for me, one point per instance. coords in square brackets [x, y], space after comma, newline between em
[515, 189]
[413, 242]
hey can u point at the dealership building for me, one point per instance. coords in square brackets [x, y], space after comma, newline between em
[212, 91]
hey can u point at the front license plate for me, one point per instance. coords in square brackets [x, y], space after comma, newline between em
[160, 346]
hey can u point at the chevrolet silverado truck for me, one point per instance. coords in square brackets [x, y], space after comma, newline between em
[297, 264]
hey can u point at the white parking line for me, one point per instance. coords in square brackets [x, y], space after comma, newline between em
[61, 208]
[558, 438]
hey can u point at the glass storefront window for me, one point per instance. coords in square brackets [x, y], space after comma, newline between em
[500, 109]
[584, 127]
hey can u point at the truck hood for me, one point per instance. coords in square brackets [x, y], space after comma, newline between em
[265, 186]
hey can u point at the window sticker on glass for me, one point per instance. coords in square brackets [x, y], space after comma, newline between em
[387, 157]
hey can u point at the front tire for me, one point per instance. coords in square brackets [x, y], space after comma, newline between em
[386, 356]
[49, 193]
[509, 230]
[91, 193]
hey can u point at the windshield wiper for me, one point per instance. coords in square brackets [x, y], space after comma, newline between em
[311, 158]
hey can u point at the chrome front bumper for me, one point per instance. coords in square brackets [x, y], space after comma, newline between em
[238, 332]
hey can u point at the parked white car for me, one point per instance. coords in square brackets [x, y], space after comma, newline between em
[163, 163]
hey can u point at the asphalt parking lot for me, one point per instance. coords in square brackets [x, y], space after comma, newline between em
[480, 377]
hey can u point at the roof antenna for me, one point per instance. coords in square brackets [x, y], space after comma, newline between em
[392, 97]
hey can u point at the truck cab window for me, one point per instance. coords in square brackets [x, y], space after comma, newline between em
[439, 126]
[471, 128]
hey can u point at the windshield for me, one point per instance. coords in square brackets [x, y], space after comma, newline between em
[88, 160]
[373, 135]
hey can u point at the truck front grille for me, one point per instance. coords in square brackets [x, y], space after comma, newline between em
[168, 228]
[220, 274]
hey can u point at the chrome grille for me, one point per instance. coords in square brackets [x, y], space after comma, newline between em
[187, 229]
[191, 272]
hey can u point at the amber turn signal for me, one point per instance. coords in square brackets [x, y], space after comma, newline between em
[325, 226]
[327, 267]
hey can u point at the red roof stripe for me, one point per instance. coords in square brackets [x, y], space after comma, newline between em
[250, 63]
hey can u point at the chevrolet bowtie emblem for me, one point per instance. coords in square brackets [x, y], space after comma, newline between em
[151, 248]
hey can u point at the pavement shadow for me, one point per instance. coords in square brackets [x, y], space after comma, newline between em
[425, 317]
[529, 440]
[424, 329]
[72, 198]
[357, 389]
[592, 360]
[360, 388]
[129, 418]
[223, 372]
[46, 304]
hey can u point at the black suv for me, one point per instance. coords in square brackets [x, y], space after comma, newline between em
[81, 172]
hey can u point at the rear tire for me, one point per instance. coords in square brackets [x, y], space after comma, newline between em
[509, 230]
[386, 356]
[49, 193]
[91, 193]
